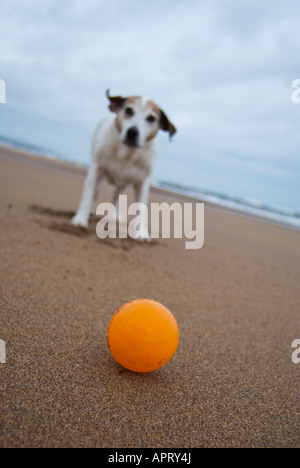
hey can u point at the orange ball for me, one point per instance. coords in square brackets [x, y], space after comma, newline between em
[143, 335]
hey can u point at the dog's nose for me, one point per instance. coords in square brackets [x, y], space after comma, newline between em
[132, 134]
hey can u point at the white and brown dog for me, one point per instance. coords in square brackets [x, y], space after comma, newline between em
[123, 151]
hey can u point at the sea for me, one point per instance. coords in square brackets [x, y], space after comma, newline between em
[277, 215]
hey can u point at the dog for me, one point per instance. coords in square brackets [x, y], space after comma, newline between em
[124, 150]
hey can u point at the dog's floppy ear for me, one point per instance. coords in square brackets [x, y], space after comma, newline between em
[116, 102]
[166, 125]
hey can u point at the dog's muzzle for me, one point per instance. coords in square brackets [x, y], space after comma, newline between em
[132, 136]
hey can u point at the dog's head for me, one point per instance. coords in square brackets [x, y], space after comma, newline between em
[138, 119]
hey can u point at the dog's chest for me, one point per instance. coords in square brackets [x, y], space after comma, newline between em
[126, 166]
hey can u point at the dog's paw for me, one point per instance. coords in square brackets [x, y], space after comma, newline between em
[79, 221]
[147, 240]
[142, 236]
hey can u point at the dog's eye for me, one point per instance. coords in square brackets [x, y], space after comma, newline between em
[129, 111]
[150, 118]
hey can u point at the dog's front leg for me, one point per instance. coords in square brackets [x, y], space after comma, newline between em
[116, 203]
[82, 216]
[142, 196]
[96, 193]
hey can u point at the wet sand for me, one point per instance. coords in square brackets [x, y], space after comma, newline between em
[231, 383]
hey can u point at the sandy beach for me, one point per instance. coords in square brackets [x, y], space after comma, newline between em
[232, 382]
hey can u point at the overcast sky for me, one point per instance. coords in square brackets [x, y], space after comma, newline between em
[221, 69]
